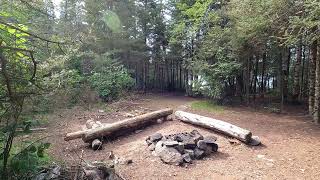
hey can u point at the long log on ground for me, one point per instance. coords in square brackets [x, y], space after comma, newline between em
[90, 124]
[216, 125]
[74, 135]
[127, 124]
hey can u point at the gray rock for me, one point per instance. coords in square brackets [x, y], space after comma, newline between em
[159, 148]
[180, 147]
[182, 137]
[54, 172]
[196, 136]
[255, 141]
[186, 157]
[96, 144]
[170, 143]
[190, 152]
[214, 147]
[210, 139]
[41, 176]
[156, 137]
[148, 142]
[202, 145]
[171, 156]
[198, 153]
[189, 144]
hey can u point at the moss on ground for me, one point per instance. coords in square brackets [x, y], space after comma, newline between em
[207, 105]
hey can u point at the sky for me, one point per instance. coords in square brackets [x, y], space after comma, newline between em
[56, 4]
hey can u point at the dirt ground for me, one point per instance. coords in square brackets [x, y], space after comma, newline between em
[290, 149]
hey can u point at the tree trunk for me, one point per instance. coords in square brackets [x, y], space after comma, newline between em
[281, 79]
[263, 84]
[302, 88]
[297, 72]
[246, 80]
[255, 77]
[285, 71]
[312, 65]
[317, 90]
[216, 125]
[126, 125]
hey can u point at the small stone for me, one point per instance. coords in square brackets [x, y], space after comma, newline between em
[148, 141]
[186, 157]
[160, 121]
[129, 115]
[214, 147]
[234, 142]
[202, 145]
[111, 155]
[198, 153]
[156, 137]
[128, 161]
[138, 131]
[210, 139]
[169, 118]
[170, 143]
[101, 111]
[96, 144]
[255, 141]
[190, 152]
[151, 147]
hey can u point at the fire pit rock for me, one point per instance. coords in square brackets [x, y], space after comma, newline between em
[176, 149]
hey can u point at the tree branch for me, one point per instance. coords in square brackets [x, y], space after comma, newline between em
[30, 34]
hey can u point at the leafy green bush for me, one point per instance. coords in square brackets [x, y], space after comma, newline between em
[110, 79]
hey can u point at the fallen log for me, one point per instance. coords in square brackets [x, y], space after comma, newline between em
[90, 124]
[74, 135]
[216, 125]
[125, 125]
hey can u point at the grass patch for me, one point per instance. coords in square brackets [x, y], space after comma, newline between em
[207, 105]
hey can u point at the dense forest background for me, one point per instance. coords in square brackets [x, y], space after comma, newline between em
[81, 51]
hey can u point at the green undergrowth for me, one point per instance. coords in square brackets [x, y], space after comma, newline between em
[27, 158]
[207, 106]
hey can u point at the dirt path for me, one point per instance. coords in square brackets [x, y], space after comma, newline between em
[290, 150]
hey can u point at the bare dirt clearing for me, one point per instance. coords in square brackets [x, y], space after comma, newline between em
[290, 147]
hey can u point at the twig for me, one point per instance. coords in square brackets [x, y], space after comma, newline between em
[32, 129]
[77, 173]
